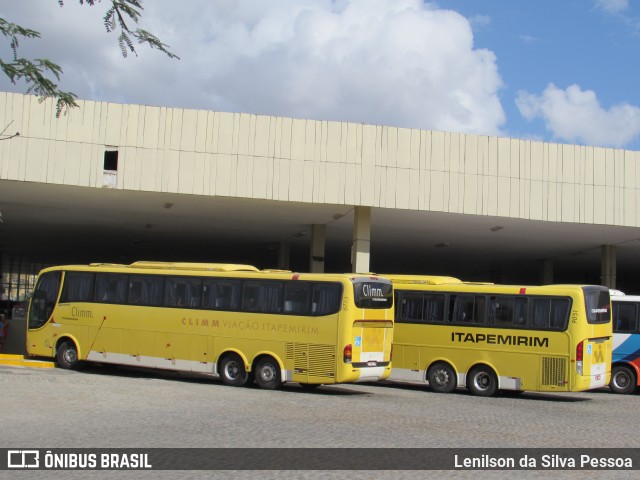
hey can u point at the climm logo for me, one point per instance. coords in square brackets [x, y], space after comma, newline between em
[370, 291]
[496, 339]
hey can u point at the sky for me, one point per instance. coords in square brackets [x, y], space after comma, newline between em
[559, 71]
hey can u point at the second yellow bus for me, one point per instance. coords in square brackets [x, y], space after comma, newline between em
[485, 337]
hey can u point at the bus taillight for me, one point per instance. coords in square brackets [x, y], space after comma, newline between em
[347, 354]
[579, 352]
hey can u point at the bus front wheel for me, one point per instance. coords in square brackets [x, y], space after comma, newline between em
[232, 371]
[67, 355]
[268, 374]
[442, 378]
[623, 380]
[482, 381]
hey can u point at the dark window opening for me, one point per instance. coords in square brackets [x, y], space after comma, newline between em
[111, 160]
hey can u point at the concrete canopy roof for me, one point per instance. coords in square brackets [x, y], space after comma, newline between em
[62, 224]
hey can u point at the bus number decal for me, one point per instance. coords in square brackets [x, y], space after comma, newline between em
[346, 301]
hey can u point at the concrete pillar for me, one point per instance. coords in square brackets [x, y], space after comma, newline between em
[608, 266]
[360, 250]
[284, 255]
[546, 271]
[318, 236]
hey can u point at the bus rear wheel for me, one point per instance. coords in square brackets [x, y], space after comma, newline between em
[268, 374]
[232, 371]
[442, 378]
[482, 381]
[623, 380]
[67, 355]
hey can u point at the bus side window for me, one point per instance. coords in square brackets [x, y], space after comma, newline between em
[221, 294]
[78, 287]
[463, 309]
[501, 310]
[559, 313]
[541, 313]
[146, 290]
[182, 292]
[470, 309]
[111, 288]
[434, 308]
[326, 299]
[296, 297]
[624, 314]
[520, 312]
[412, 307]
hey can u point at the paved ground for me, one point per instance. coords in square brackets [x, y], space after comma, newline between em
[117, 407]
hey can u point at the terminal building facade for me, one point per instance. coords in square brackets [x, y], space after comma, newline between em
[118, 183]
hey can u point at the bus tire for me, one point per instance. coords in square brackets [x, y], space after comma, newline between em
[482, 381]
[232, 371]
[442, 378]
[623, 380]
[67, 355]
[267, 374]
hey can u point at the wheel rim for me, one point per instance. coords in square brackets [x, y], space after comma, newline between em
[232, 370]
[482, 381]
[267, 373]
[621, 380]
[441, 378]
[70, 356]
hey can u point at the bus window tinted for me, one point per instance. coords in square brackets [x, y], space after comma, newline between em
[221, 294]
[326, 298]
[44, 299]
[372, 293]
[78, 287]
[183, 292]
[264, 297]
[111, 288]
[411, 307]
[297, 296]
[145, 290]
[598, 304]
[626, 317]
[469, 309]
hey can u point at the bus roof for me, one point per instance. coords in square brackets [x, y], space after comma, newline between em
[211, 267]
[192, 268]
[421, 279]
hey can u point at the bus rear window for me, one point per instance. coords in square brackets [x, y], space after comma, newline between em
[372, 293]
[598, 304]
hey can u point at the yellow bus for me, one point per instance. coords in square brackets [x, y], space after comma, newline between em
[486, 337]
[233, 321]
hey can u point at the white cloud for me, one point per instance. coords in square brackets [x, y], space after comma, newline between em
[612, 6]
[391, 62]
[575, 115]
